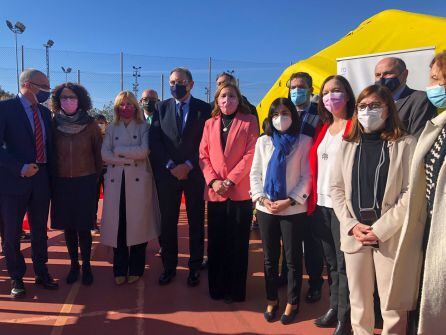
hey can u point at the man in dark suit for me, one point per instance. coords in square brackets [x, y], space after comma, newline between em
[414, 108]
[25, 131]
[175, 136]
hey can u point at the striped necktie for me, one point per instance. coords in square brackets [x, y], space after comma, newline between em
[38, 133]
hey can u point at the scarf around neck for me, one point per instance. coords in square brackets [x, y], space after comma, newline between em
[275, 179]
[72, 124]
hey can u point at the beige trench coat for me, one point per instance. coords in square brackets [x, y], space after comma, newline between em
[404, 287]
[394, 204]
[126, 149]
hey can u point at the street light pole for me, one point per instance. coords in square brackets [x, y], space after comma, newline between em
[66, 71]
[18, 28]
[136, 70]
[47, 47]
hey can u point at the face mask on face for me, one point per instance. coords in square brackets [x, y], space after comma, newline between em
[298, 96]
[228, 105]
[178, 91]
[282, 122]
[437, 95]
[69, 106]
[149, 106]
[391, 83]
[334, 102]
[102, 126]
[42, 96]
[371, 119]
[126, 112]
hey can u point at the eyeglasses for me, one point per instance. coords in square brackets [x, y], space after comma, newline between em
[373, 105]
[45, 88]
[68, 97]
[150, 99]
[181, 82]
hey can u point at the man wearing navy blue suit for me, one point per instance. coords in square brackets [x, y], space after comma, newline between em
[175, 136]
[25, 131]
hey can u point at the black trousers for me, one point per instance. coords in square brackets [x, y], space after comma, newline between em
[2, 231]
[127, 260]
[327, 228]
[313, 255]
[290, 228]
[13, 208]
[78, 238]
[169, 195]
[228, 243]
[98, 194]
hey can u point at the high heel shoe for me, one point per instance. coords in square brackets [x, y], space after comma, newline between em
[271, 316]
[287, 319]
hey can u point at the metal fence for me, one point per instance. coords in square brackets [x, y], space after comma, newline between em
[104, 75]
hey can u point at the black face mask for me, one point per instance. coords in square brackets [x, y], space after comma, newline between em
[391, 83]
[149, 106]
[178, 91]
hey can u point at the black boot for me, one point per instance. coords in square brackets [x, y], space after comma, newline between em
[73, 275]
[87, 275]
[328, 319]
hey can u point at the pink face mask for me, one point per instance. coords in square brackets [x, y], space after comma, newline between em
[126, 111]
[334, 102]
[69, 106]
[228, 104]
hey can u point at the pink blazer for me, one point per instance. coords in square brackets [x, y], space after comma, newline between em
[235, 162]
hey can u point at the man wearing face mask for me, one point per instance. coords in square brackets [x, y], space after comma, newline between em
[175, 136]
[25, 130]
[414, 108]
[300, 87]
[148, 100]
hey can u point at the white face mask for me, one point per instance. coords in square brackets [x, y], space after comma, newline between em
[282, 122]
[371, 119]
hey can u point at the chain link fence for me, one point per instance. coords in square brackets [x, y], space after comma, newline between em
[105, 74]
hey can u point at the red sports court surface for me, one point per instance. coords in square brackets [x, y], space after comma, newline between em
[143, 307]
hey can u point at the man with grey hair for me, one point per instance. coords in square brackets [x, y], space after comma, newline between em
[25, 131]
[414, 108]
[149, 98]
[174, 138]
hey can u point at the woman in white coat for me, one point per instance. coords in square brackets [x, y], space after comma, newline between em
[418, 279]
[130, 215]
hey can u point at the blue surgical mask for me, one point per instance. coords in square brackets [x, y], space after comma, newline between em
[391, 83]
[437, 95]
[298, 95]
[42, 96]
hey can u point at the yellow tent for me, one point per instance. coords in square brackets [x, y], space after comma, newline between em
[386, 31]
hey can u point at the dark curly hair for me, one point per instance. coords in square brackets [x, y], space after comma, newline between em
[83, 98]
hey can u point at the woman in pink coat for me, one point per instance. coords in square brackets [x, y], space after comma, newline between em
[226, 153]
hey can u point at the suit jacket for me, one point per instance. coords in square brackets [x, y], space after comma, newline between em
[414, 110]
[406, 277]
[18, 146]
[394, 203]
[166, 141]
[298, 174]
[234, 163]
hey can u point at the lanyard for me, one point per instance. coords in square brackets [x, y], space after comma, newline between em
[381, 161]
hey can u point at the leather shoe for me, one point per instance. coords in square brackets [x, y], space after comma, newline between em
[166, 277]
[73, 275]
[18, 289]
[194, 278]
[313, 295]
[328, 319]
[287, 319]
[343, 328]
[47, 282]
[271, 316]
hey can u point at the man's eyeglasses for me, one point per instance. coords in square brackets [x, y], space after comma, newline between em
[181, 82]
[45, 88]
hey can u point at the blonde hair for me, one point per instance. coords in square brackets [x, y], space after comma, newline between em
[130, 97]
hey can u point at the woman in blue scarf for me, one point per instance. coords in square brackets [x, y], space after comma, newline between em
[280, 184]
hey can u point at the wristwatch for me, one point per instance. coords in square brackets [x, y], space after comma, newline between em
[228, 183]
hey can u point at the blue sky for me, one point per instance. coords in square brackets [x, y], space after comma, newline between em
[255, 38]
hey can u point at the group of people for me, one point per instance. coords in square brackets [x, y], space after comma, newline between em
[356, 181]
